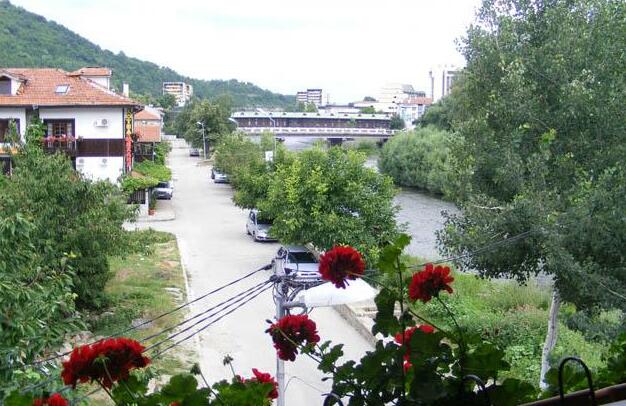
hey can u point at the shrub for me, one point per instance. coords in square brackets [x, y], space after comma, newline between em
[419, 159]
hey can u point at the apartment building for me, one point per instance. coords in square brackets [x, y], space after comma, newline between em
[181, 90]
[314, 96]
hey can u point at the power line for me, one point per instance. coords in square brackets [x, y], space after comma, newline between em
[124, 331]
[231, 299]
[158, 354]
[239, 300]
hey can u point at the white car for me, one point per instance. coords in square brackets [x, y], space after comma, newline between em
[258, 228]
[300, 263]
[164, 190]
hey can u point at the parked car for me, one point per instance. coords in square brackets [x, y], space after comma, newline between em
[164, 190]
[219, 177]
[258, 227]
[300, 262]
[194, 152]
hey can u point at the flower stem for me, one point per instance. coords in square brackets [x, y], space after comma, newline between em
[108, 392]
[461, 340]
[403, 326]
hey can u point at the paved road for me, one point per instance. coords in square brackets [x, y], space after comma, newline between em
[215, 250]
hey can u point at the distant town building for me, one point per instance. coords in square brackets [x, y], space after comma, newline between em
[390, 97]
[314, 96]
[181, 90]
[148, 128]
[398, 92]
[412, 109]
[82, 117]
[327, 125]
[441, 81]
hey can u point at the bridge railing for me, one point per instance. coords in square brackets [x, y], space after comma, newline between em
[328, 131]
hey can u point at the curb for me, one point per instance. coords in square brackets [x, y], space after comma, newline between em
[349, 315]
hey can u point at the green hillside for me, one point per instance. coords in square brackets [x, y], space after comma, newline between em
[29, 40]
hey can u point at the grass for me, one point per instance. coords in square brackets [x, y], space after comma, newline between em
[146, 285]
[515, 318]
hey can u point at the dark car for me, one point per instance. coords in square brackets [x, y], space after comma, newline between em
[194, 152]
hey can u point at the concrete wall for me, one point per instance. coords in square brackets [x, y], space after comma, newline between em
[101, 168]
[85, 118]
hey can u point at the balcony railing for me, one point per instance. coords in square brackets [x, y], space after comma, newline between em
[62, 143]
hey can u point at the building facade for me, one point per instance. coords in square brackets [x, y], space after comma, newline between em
[181, 90]
[441, 81]
[148, 130]
[412, 109]
[311, 96]
[82, 117]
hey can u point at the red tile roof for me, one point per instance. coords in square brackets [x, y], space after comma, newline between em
[92, 71]
[418, 100]
[146, 115]
[39, 88]
[148, 133]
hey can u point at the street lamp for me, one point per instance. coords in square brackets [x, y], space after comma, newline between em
[203, 139]
[260, 110]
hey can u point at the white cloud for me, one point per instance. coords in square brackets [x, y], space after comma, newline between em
[349, 48]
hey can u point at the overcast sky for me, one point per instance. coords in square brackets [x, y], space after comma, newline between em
[348, 48]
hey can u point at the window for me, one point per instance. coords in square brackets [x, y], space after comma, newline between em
[59, 127]
[62, 89]
[5, 86]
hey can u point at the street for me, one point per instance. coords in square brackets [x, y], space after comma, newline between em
[215, 250]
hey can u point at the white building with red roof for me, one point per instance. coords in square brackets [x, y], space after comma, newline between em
[148, 128]
[82, 116]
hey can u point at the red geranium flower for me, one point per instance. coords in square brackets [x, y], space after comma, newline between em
[291, 331]
[405, 340]
[340, 264]
[430, 282]
[263, 377]
[53, 400]
[105, 361]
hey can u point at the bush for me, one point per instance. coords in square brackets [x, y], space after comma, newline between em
[419, 159]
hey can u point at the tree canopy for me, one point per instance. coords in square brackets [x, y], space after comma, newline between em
[541, 122]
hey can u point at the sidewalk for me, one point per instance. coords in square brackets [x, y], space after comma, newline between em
[164, 212]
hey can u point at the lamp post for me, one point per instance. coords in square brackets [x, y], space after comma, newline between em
[260, 110]
[203, 139]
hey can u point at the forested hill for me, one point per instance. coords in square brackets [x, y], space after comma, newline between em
[29, 40]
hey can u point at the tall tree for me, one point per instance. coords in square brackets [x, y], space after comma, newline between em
[541, 119]
[328, 198]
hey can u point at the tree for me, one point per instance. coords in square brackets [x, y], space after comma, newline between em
[328, 198]
[541, 146]
[167, 101]
[368, 110]
[418, 158]
[214, 116]
[73, 219]
[439, 114]
[310, 108]
[397, 123]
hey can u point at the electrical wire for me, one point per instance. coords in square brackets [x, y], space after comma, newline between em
[165, 330]
[158, 354]
[215, 313]
[124, 331]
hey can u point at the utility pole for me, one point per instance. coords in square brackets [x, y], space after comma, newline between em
[279, 271]
[203, 139]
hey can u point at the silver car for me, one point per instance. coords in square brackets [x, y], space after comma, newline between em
[258, 227]
[164, 190]
[219, 177]
[300, 263]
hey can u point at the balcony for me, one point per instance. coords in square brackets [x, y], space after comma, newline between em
[63, 143]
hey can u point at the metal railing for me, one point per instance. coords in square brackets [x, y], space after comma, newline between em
[321, 131]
